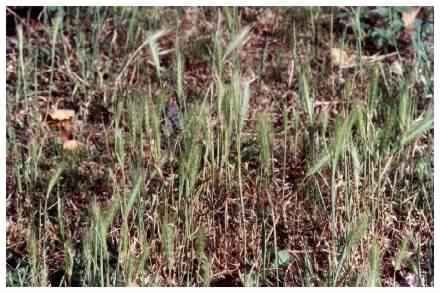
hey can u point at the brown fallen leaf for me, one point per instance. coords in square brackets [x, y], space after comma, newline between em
[72, 145]
[67, 126]
[64, 135]
[62, 119]
[340, 58]
[344, 60]
[409, 16]
[396, 68]
[61, 114]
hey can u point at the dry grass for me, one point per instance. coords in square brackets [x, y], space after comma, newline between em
[221, 147]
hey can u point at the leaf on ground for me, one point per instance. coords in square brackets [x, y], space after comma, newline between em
[409, 16]
[66, 125]
[411, 280]
[396, 68]
[72, 145]
[340, 57]
[283, 258]
[61, 114]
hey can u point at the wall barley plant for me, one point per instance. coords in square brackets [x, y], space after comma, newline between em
[197, 172]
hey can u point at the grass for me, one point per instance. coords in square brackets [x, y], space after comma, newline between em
[277, 169]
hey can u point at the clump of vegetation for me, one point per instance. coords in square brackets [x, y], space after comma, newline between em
[218, 147]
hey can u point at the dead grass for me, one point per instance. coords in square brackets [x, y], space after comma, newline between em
[214, 202]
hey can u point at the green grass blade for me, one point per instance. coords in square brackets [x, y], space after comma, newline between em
[135, 192]
[306, 98]
[374, 266]
[355, 235]
[237, 42]
[169, 235]
[322, 162]
[155, 50]
[418, 128]
[402, 255]
[244, 105]
[54, 179]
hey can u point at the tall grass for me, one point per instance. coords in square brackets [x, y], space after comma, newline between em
[162, 205]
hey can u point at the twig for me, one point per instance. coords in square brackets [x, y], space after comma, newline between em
[370, 60]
